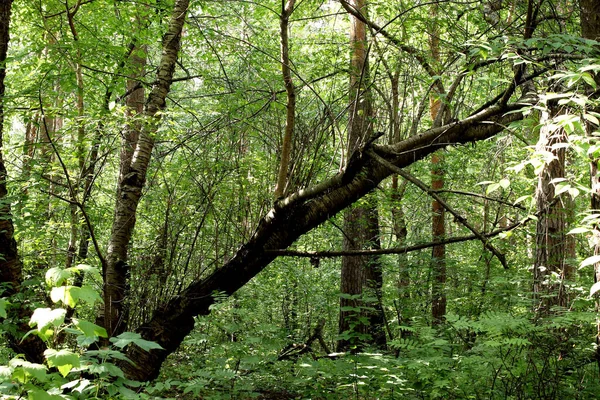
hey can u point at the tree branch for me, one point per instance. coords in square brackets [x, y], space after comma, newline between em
[397, 250]
[501, 257]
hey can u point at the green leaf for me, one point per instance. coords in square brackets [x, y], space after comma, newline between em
[6, 372]
[38, 394]
[504, 183]
[106, 368]
[3, 304]
[588, 79]
[88, 294]
[89, 329]
[57, 276]
[578, 230]
[69, 295]
[492, 188]
[44, 317]
[38, 371]
[130, 337]
[63, 360]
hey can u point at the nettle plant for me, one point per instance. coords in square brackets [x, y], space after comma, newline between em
[76, 366]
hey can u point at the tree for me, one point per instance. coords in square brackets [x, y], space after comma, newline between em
[360, 276]
[129, 191]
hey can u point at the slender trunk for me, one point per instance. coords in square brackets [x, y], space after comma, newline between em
[361, 277]
[438, 219]
[134, 178]
[282, 177]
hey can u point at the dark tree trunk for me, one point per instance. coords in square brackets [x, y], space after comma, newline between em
[291, 218]
[10, 264]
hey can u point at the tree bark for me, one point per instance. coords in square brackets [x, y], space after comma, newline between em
[438, 212]
[132, 182]
[10, 264]
[360, 276]
[291, 218]
[286, 147]
[551, 238]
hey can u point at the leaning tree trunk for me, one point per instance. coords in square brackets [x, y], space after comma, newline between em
[360, 276]
[290, 219]
[130, 185]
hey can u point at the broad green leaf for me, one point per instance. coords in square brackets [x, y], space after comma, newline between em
[106, 368]
[504, 183]
[107, 353]
[38, 371]
[561, 188]
[39, 394]
[588, 79]
[87, 294]
[44, 317]
[89, 329]
[591, 118]
[63, 360]
[492, 188]
[57, 276]
[573, 192]
[5, 371]
[84, 268]
[130, 337]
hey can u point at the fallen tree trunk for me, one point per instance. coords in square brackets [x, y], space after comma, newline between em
[291, 218]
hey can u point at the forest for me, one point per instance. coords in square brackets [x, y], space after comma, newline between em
[299, 199]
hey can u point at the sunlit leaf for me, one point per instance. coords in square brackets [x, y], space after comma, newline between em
[590, 261]
[57, 276]
[63, 360]
[130, 337]
[595, 287]
[580, 229]
[64, 294]
[45, 317]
